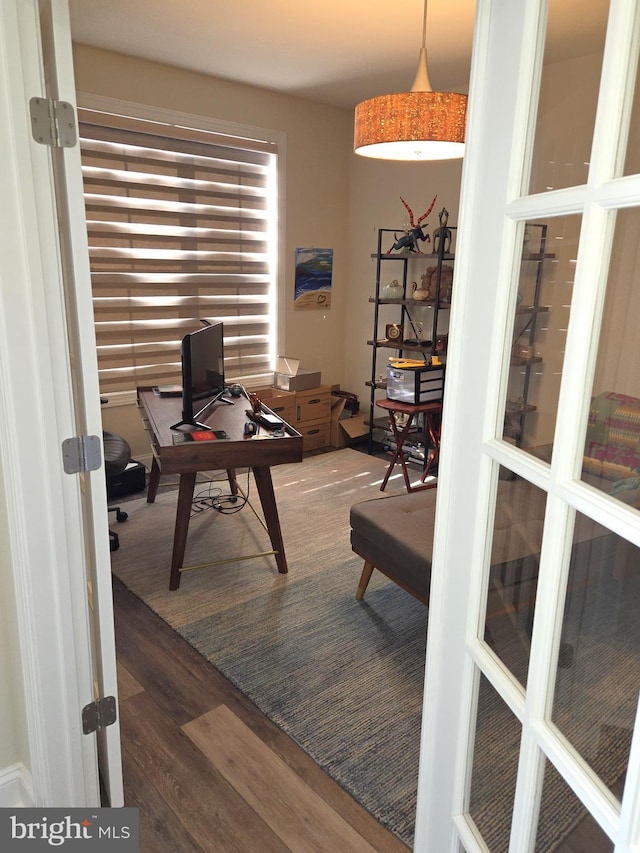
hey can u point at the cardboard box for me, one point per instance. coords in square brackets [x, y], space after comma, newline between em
[314, 404]
[289, 376]
[337, 408]
[415, 384]
[315, 434]
[346, 431]
[283, 403]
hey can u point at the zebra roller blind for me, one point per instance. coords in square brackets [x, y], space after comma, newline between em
[181, 226]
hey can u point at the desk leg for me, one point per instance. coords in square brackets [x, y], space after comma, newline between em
[264, 483]
[154, 481]
[399, 455]
[183, 513]
[231, 477]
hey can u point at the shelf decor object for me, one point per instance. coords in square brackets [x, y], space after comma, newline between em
[416, 125]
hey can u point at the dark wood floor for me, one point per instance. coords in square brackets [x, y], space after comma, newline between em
[207, 770]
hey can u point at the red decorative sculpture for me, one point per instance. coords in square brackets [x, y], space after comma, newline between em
[409, 240]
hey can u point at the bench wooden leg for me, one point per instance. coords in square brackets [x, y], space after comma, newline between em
[365, 577]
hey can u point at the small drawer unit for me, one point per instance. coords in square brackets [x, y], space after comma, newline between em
[415, 384]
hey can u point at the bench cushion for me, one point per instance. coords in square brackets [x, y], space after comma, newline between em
[395, 534]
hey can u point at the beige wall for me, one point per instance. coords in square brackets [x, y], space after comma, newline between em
[375, 203]
[333, 199]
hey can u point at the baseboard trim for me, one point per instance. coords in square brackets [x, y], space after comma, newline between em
[16, 788]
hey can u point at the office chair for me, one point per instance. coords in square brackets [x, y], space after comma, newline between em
[117, 455]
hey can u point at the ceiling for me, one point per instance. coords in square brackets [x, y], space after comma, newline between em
[336, 52]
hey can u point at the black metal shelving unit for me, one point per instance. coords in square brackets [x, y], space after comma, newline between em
[525, 335]
[444, 240]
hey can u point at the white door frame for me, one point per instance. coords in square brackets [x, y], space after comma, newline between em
[44, 505]
[494, 207]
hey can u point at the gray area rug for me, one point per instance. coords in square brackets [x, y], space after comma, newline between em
[344, 679]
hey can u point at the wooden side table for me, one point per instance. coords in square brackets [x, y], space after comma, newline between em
[432, 412]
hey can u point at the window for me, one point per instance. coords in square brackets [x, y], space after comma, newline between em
[181, 227]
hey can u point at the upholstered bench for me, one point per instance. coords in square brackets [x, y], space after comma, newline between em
[394, 534]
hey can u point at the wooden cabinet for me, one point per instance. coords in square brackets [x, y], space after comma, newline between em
[412, 322]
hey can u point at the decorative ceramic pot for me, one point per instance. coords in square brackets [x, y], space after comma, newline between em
[393, 290]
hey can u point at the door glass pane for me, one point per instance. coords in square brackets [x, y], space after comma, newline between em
[564, 825]
[539, 330]
[632, 160]
[513, 577]
[495, 768]
[574, 45]
[598, 677]
[612, 447]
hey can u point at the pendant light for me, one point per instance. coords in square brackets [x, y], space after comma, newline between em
[416, 125]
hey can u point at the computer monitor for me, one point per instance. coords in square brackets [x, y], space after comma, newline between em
[202, 353]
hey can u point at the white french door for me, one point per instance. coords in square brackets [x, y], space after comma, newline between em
[60, 83]
[530, 739]
[86, 399]
[57, 522]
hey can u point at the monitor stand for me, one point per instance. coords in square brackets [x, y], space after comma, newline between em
[194, 422]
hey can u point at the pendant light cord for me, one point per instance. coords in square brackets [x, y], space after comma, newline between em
[424, 25]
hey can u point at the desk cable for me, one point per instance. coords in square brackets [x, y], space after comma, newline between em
[225, 503]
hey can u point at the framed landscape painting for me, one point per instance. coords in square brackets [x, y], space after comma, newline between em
[314, 270]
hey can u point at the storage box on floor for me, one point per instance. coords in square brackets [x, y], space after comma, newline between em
[346, 430]
[415, 384]
[283, 403]
[307, 411]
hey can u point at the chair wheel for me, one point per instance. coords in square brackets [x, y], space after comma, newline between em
[121, 516]
[114, 542]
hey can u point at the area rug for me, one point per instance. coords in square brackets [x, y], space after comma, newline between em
[343, 678]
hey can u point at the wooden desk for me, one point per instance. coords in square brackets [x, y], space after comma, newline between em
[432, 412]
[188, 458]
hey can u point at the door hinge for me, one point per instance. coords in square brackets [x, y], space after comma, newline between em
[53, 123]
[99, 714]
[81, 453]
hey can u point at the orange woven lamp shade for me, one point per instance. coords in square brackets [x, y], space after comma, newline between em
[411, 126]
